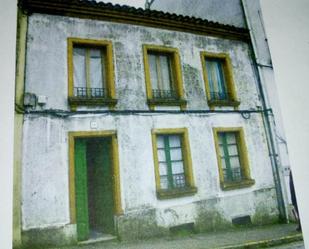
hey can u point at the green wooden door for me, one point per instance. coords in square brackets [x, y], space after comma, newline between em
[106, 200]
[100, 186]
[82, 218]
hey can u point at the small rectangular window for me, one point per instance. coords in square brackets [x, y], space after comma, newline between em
[163, 76]
[91, 72]
[232, 158]
[217, 71]
[172, 163]
[229, 156]
[216, 79]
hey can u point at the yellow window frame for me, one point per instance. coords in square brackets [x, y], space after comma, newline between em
[228, 74]
[174, 193]
[110, 100]
[243, 157]
[176, 74]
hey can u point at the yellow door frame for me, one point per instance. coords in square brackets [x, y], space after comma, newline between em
[115, 166]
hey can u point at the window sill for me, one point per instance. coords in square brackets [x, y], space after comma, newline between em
[77, 101]
[237, 185]
[213, 103]
[167, 102]
[175, 193]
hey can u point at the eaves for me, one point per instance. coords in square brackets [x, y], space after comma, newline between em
[130, 15]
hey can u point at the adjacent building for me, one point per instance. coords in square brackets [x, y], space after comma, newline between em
[134, 122]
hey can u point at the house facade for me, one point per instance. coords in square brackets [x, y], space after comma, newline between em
[135, 122]
[248, 14]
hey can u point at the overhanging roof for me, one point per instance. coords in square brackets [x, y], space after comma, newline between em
[137, 16]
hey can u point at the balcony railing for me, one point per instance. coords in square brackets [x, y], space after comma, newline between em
[232, 175]
[179, 180]
[164, 94]
[219, 95]
[87, 92]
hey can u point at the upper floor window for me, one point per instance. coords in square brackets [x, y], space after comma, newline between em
[220, 89]
[91, 74]
[163, 76]
[232, 158]
[172, 163]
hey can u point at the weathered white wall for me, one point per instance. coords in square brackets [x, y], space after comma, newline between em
[45, 171]
[231, 12]
[47, 60]
[45, 158]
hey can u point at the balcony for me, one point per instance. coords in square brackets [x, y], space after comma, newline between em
[166, 98]
[164, 94]
[219, 96]
[222, 99]
[91, 96]
[232, 175]
[86, 92]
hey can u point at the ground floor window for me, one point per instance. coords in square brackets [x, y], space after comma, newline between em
[232, 158]
[173, 167]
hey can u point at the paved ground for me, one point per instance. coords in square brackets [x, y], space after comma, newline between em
[296, 245]
[234, 238]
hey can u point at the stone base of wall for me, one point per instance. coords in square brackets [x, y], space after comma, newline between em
[206, 215]
[48, 237]
[140, 225]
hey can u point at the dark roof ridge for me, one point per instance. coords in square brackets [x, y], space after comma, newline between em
[124, 13]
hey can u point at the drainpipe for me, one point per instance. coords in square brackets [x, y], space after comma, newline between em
[267, 124]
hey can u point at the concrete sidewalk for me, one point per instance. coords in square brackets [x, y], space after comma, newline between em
[253, 237]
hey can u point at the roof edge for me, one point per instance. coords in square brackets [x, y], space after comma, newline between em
[125, 14]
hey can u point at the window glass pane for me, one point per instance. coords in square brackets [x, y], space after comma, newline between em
[96, 69]
[221, 81]
[163, 182]
[234, 162]
[216, 78]
[236, 174]
[174, 141]
[163, 169]
[231, 137]
[211, 74]
[161, 155]
[153, 71]
[233, 151]
[79, 67]
[165, 72]
[160, 142]
[179, 180]
[177, 168]
[176, 154]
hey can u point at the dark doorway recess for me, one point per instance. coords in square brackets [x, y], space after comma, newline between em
[94, 187]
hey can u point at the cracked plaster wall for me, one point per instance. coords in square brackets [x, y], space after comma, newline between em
[45, 200]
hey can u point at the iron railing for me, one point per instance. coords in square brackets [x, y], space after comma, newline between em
[179, 180]
[164, 94]
[87, 92]
[232, 175]
[219, 95]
